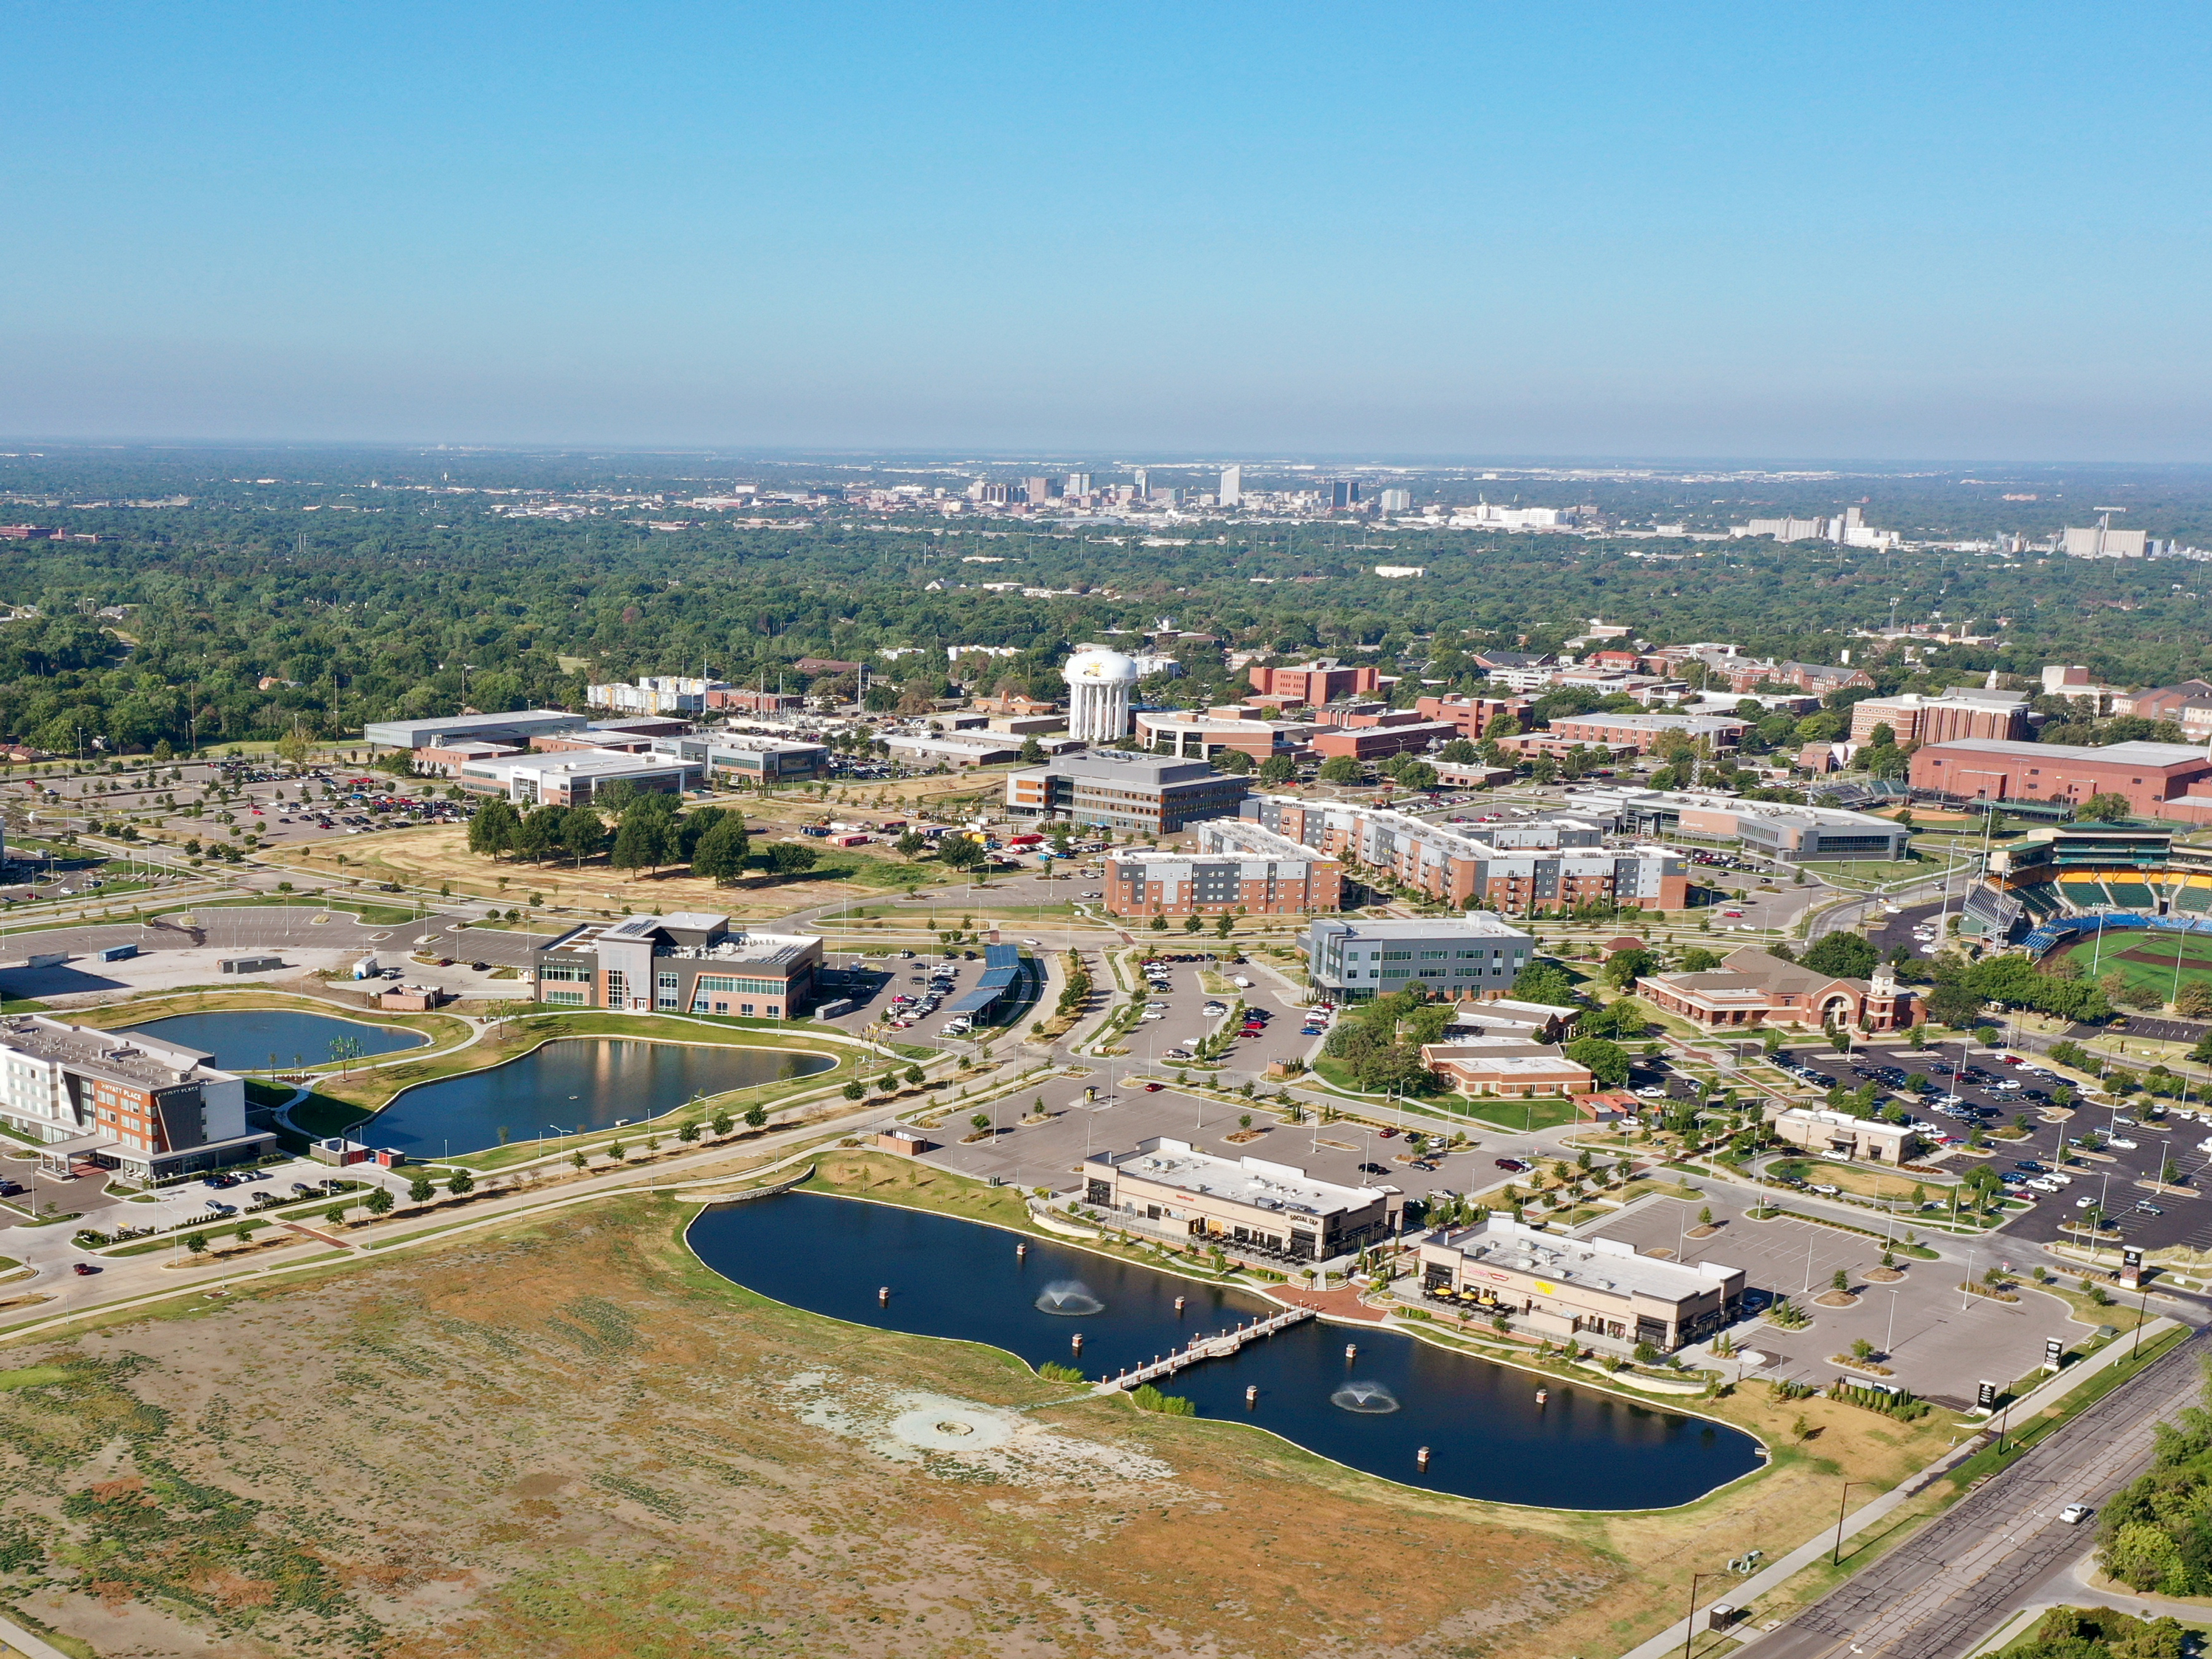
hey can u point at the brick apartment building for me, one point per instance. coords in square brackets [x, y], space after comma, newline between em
[1237, 866]
[1550, 865]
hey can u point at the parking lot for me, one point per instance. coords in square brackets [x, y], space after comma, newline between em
[1941, 1340]
[2111, 1178]
[1125, 1112]
[88, 1196]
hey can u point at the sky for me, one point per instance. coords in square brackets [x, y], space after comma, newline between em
[1865, 231]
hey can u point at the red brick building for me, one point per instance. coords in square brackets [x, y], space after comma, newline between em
[1313, 683]
[1472, 715]
[1381, 742]
[2153, 777]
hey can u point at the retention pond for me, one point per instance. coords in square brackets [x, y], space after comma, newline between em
[570, 1085]
[259, 1039]
[1373, 1409]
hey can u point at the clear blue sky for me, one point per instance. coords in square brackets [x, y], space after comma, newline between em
[1837, 231]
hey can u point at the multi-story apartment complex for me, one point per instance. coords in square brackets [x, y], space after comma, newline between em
[1912, 718]
[1547, 865]
[687, 963]
[121, 1100]
[1313, 683]
[1116, 789]
[1352, 959]
[1274, 1209]
[1238, 868]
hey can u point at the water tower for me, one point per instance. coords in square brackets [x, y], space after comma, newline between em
[1099, 685]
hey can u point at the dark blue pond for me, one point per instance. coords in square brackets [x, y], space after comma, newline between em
[1487, 1436]
[574, 1084]
[252, 1039]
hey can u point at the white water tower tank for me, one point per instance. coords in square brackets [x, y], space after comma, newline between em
[1098, 686]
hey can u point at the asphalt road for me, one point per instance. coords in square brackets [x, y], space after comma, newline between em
[1944, 1589]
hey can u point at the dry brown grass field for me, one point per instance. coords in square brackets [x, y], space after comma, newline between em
[569, 1439]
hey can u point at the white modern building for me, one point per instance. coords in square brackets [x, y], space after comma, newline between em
[1098, 686]
[1233, 486]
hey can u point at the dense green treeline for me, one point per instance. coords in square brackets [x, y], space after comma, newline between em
[257, 611]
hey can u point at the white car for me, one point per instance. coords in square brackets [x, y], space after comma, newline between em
[2083, 1203]
[2061, 1177]
[2044, 1185]
[2075, 1514]
[2123, 1142]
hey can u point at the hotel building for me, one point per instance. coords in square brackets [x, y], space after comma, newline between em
[1561, 1286]
[121, 1100]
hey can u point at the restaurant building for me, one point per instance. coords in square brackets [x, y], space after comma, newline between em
[1566, 1287]
[1259, 1207]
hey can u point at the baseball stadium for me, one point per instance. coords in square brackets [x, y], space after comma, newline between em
[2084, 888]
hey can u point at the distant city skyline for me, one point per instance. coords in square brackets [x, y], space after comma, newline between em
[1670, 234]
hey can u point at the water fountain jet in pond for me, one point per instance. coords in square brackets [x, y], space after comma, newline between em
[1070, 1296]
[1370, 1397]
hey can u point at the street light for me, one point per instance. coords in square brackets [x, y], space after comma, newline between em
[1836, 1555]
[1690, 1622]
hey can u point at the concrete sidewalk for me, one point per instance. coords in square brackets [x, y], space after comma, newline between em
[1777, 1573]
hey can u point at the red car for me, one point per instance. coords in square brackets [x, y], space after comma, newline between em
[1154, 1088]
[83, 1268]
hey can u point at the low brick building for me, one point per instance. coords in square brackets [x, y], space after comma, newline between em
[1752, 988]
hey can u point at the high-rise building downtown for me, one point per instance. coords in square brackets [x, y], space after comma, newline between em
[1344, 492]
[1233, 486]
[1143, 480]
[1078, 483]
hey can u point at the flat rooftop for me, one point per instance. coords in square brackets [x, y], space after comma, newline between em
[120, 1057]
[1254, 1181]
[1597, 1264]
[1475, 924]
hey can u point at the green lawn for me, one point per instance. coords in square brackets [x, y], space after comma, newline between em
[2143, 958]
